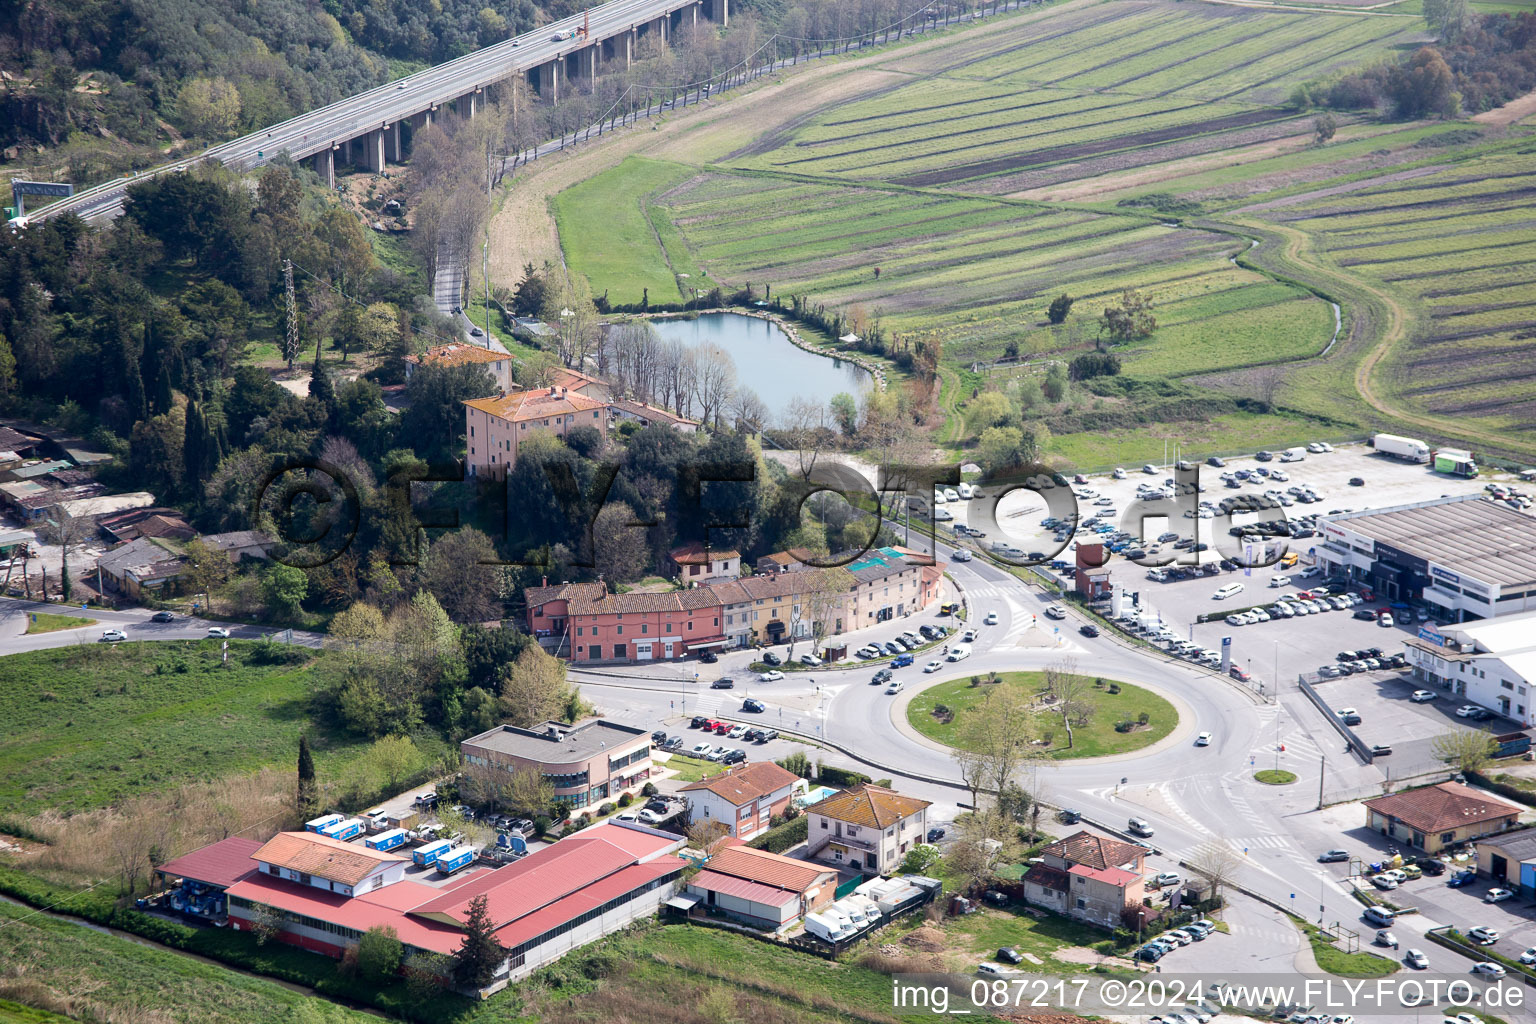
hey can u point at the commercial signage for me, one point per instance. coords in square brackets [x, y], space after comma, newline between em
[1333, 531]
[1226, 654]
[1449, 577]
[1397, 556]
[1430, 635]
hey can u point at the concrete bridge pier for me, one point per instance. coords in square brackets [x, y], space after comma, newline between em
[546, 79]
[466, 105]
[373, 150]
[393, 144]
[325, 166]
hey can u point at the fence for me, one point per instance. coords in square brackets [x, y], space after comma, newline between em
[1355, 742]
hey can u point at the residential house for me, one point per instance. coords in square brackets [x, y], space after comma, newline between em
[496, 427]
[583, 384]
[497, 364]
[867, 827]
[148, 564]
[240, 544]
[887, 584]
[1088, 878]
[743, 799]
[761, 889]
[586, 623]
[792, 560]
[155, 521]
[541, 907]
[645, 415]
[588, 763]
[96, 506]
[695, 563]
[1433, 817]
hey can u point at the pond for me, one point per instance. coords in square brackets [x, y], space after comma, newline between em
[767, 361]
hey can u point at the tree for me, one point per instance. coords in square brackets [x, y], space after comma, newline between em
[460, 572]
[973, 770]
[619, 550]
[359, 625]
[1056, 383]
[1130, 320]
[984, 839]
[920, 858]
[531, 294]
[1000, 729]
[284, 587]
[705, 834]
[534, 688]
[480, 955]
[529, 791]
[209, 106]
[1425, 86]
[1069, 688]
[308, 797]
[266, 922]
[1060, 306]
[999, 449]
[1216, 862]
[207, 569]
[1469, 750]
[845, 410]
[379, 953]
[989, 409]
[1324, 126]
[394, 759]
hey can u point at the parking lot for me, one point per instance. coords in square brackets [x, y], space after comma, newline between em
[1463, 908]
[1389, 718]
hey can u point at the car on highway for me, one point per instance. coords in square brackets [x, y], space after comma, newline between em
[218, 631]
[1203, 739]
[162, 617]
[723, 683]
[962, 555]
[1088, 629]
[1483, 935]
[1422, 696]
[990, 620]
[895, 686]
[1489, 968]
[1055, 611]
[752, 705]
[933, 666]
[112, 636]
[1332, 856]
[959, 652]
[1416, 959]
[1138, 827]
[1496, 895]
[771, 676]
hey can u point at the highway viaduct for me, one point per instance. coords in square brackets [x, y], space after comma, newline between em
[365, 130]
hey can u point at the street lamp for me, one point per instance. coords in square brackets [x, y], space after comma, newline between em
[1141, 917]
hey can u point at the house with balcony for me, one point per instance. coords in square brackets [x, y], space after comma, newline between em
[868, 828]
[743, 799]
[1088, 878]
[588, 763]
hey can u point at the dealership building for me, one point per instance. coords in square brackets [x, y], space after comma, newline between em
[1490, 662]
[1464, 557]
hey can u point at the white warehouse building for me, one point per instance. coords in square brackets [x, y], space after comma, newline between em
[1490, 663]
[1465, 557]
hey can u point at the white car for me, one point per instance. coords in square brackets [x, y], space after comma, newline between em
[1203, 740]
[1222, 593]
[1055, 611]
[1496, 895]
[1346, 712]
[650, 817]
[736, 733]
[1467, 711]
[1490, 968]
[1417, 960]
[1484, 936]
[771, 676]
[933, 666]
[1118, 474]
[990, 620]
[218, 631]
[1310, 571]
[1149, 469]
[1280, 581]
[809, 659]
[700, 749]
[1422, 696]
[1529, 956]
[959, 652]
[962, 555]
[950, 494]
[895, 686]
[112, 636]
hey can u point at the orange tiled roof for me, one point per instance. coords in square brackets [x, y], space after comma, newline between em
[748, 782]
[874, 806]
[347, 863]
[768, 868]
[1093, 851]
[457, 354]
[521, 406]
[1442, 808]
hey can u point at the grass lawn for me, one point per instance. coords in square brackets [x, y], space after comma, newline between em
[47, 622]
[16, 1013]
[1347, 965]
[101, 977]
[88, 726]
[607, 230]
[692, 769]
[1275, 777]
[1097, 738]
[1229, 432]
[988, 930]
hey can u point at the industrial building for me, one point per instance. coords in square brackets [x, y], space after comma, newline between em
[1488, 662]
[1465, 557]
[329, 893]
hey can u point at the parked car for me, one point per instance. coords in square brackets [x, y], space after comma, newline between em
[935, 834]
[1422, 696]
[1489, 968]
[1009, 955]
[708, 657]
[1463, 877]
[734, 757]
[1483, 936]
[1496, 895]
[810, 659]
[769, 658]
[1163, 878]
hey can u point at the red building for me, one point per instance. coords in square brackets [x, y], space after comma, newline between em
[584, 622]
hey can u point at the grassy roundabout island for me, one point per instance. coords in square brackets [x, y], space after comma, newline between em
[1275, 777]
[940, 713]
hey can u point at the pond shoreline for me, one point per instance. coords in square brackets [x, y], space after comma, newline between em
[876, 373]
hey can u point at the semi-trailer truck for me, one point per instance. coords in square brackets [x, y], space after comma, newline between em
[1455, 461]
[351, 828]
[321, 823]
[1410, 448]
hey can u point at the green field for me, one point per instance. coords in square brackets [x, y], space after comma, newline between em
[1097, 738]
[85, 727]
[100, 977]
[606, 226]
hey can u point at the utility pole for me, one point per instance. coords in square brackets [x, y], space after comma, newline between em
[1322, 770]
[291, 338]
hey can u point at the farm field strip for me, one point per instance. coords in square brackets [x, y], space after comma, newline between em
[1290, 329]
[1392, 249]
[1464, 217]
[1008, 68]
[1048, 107]
[1362, 34]
[1018, 35]
[937, 141]
[1151, 39]
[1432, 256]
[1137, 70]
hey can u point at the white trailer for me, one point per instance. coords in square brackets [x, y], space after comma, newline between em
[1409, 448]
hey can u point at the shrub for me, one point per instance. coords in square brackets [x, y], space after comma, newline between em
[1114, 688]
[1143, 718]
[604, 810]
[1060, 306]
[777, 840]
[625, 800]
[796, 763]
[844, 777]
[649, 789]
[540, 825]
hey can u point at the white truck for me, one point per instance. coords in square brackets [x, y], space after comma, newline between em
[1409, 448]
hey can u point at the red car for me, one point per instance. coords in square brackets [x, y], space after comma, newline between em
[1240, 675]
[709, 725]
[721, 728]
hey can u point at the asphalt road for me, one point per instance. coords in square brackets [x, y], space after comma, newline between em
[135, 623]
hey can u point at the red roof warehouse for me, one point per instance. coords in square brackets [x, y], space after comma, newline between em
[542, 906]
